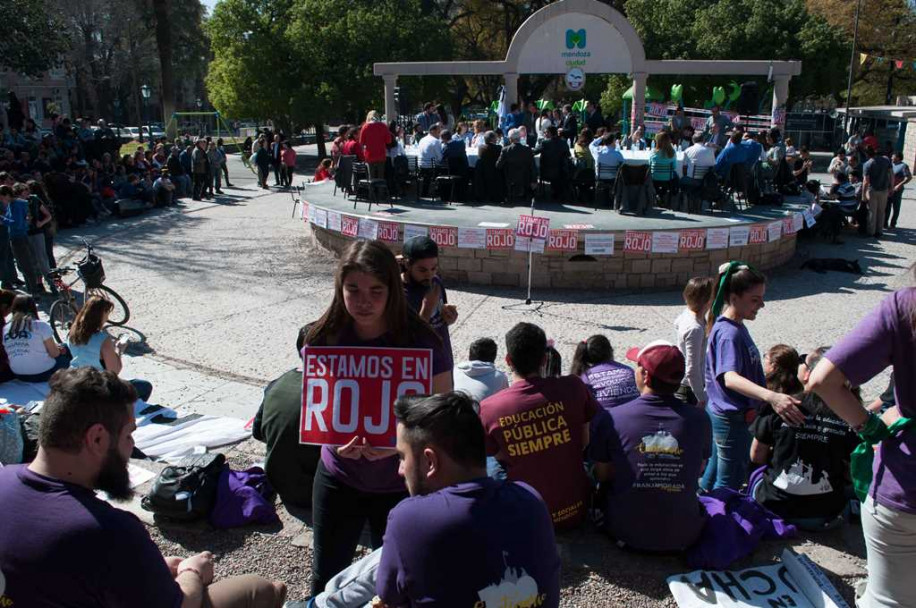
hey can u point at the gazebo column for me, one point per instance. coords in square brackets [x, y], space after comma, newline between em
[780, 97]
[391, 106]
[511, 81]
[639, 100]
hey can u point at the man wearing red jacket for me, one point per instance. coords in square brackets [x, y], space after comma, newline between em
[373, 141]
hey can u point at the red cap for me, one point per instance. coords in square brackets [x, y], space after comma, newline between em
[662, 360]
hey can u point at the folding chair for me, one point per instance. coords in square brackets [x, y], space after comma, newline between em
[343, 177]
[736, 185]
[605, 180]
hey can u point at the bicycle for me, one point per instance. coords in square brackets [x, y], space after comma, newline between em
[64, 309]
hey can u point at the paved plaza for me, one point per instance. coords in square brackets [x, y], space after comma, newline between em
[218, 291]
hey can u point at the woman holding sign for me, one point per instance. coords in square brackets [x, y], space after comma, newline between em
[735, 382]
[358, 482]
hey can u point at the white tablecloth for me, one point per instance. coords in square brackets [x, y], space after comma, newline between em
[632, 157]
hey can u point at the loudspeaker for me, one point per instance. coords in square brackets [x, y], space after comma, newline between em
[749, 100]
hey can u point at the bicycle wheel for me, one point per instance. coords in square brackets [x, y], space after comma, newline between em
[121, 313]
[62, 314]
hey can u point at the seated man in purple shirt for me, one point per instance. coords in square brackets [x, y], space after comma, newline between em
[80, 551]
[650, 455]
[462, 538]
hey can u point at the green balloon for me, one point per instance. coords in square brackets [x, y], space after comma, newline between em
[677, 92]
[718, 95]
[735, 93]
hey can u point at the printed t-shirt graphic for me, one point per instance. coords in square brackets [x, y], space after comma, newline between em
[534, 428]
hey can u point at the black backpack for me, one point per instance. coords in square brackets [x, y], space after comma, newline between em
[186, 491]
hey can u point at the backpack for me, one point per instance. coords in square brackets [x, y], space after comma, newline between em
[186, 491]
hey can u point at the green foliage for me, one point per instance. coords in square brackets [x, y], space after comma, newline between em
[32, 38]
[612, 98]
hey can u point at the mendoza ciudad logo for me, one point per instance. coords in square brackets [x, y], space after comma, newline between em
[575, 39]
[575, 55]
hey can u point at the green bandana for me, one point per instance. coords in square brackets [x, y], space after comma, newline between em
[860, 463]
[725, 271]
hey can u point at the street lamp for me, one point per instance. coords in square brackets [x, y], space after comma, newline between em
[145, 93]
[200, 128]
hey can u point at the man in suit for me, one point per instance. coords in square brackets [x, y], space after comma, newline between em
[593, 118]
[570, 129]
[555, 161]
[517, 164]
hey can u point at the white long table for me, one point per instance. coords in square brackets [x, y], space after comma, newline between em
[632, 157]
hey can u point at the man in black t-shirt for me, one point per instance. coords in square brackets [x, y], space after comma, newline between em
[807, 465]
[424, 289]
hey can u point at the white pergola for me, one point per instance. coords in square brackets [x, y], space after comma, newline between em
[597, 39]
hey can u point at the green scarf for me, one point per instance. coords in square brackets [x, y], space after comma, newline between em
[860, 463]
[719, 303]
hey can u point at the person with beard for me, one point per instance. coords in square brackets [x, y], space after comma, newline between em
[90, 552]
[424, 289]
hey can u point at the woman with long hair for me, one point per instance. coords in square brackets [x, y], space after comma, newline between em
[735, 381]
[885, 337]
[663, 165]
[92, 346]
[356, 483]
[29, 343]
[612, 383]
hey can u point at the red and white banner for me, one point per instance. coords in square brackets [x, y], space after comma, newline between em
[563, 240]
[788, 226]
[758, 234]
[350, 392]
[533, 226]
[349, 225]
[637, 242]
[500, 238]
[444, 236]
[692, 240]
[388, 232]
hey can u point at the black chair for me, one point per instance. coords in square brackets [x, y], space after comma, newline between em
[450, 185]
[666, 185]
[583, 182]
[694, 193]
[605, 181]
[368, 189]
[736, 185]
[343, 177]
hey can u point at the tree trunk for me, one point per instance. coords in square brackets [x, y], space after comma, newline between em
[162, 10]
[319, 139]
[889, 92]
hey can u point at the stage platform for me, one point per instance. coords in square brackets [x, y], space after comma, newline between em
[585, 248]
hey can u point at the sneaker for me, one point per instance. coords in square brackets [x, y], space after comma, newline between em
[219, 191]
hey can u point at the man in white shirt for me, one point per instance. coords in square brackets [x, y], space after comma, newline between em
[698, 155]
[430, 155]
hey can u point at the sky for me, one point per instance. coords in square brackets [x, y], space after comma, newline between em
[209, 4]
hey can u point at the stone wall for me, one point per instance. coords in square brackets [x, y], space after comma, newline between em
[575, 270]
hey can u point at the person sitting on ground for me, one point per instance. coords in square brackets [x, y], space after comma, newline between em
[478, 376]
[164, 189]
[323, 172]
[177, 173]
[553, 368]
[424, 290]
[612, 383]
[29, 343]
[690, 326]
[6, 301]
[806, 465]
[802, 166]
[555, 161]
[517, 164]
[91, 346]
[290, 465]
[845, 193]
[838, 163]
[538, 427]
[649, 457]
[96, 554]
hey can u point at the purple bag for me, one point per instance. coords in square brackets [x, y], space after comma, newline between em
[242, 498]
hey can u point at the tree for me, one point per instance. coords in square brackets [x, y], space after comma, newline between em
[162, 10]
[33, 38]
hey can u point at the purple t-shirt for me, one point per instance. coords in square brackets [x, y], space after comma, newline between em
[612, 383]
[62, 546]
[657, 445]
[731, 349]
[482, 542]
[377, 475]
[886, 337]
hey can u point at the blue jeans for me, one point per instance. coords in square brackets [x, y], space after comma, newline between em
[144, 389]
[731, 446]
[61, 362]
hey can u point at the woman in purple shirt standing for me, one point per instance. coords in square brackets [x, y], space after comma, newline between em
[356, 483]
[886, 337]
[735, 382]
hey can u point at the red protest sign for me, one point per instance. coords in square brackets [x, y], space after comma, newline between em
[758, 234]
[533, 226]
[349, 225]
[500, 238]
[444, 236]
[563, 240]
[350, 391]
[637, 242]
[692, 240]
[388, 232]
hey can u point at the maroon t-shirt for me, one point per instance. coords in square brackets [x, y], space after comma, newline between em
[535, 428]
